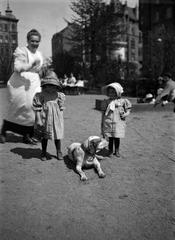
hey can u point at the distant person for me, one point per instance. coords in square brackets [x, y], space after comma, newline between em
[65, 80]
[172, 97]
[163, 102]
[114, 112]
[48, 106]
[168, 88]
[22, 86]
[72, 80]
[149, 98]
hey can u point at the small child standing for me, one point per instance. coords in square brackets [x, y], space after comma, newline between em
[114, 111]
[48, 106]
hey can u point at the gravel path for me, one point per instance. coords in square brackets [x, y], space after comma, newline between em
[47, 201]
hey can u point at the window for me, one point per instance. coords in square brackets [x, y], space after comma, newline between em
[169, 12]
[14, 39]
[133, 56]
[6, 27]
[13, 27]
[133, 43]
[6, 38]
[133, 30]
[140, 37]
[140, 52]
[1, 27]
[156, 17]
[1, 39]
[2, 51]
[7, 51]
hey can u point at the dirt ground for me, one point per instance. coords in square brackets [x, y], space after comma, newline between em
[47, 200]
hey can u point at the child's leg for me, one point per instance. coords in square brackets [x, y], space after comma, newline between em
[111, 145]
[58, 149]
[44, 142]
[117, 145]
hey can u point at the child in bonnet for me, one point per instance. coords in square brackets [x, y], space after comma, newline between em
[115, 109]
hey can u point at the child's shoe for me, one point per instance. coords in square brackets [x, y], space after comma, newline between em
[117, 154]
[59, 155]
[43, 156]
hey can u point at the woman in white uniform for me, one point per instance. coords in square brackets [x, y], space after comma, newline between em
[22, 86]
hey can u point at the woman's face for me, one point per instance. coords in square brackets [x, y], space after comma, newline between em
[33, 43]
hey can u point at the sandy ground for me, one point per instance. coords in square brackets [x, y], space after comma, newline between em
[136, 200]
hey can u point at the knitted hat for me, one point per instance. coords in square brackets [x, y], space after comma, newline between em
[117, 87]
[51, 79]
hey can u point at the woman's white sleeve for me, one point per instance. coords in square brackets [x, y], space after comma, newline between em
[21, 59]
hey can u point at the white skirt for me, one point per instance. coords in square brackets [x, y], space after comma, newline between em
[22, 87]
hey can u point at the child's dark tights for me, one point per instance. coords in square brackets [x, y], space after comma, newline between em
[44, 142]
[58, 145]
[114, 142]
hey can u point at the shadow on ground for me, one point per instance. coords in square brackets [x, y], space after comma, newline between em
[27, 153]
[69, 164]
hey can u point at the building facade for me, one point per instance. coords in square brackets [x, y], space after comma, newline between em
[61, 42]
[8, 43]
[157, 23]
[126, 45]
[129, 43]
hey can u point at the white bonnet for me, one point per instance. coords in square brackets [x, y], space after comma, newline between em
[117, 87]
[149, 95]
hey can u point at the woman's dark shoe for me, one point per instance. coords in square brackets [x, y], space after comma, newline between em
[28, 140]
[59, 155]
[2, 139]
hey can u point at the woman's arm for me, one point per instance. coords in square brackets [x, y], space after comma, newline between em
[21, 62]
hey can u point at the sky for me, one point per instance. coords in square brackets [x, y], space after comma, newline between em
[47, 16]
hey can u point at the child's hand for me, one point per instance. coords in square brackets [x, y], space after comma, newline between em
[122, 116]
[125, 114]
[39, 124]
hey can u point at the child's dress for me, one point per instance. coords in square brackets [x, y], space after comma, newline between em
[51, 111]
[113, 125]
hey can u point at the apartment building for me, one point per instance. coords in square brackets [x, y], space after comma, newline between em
[8, 42]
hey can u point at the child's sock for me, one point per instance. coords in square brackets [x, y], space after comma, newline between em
[58, 149]
[110, 145]
[117, 144]
[44, 148]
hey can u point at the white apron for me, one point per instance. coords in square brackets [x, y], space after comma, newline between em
[22, 87]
